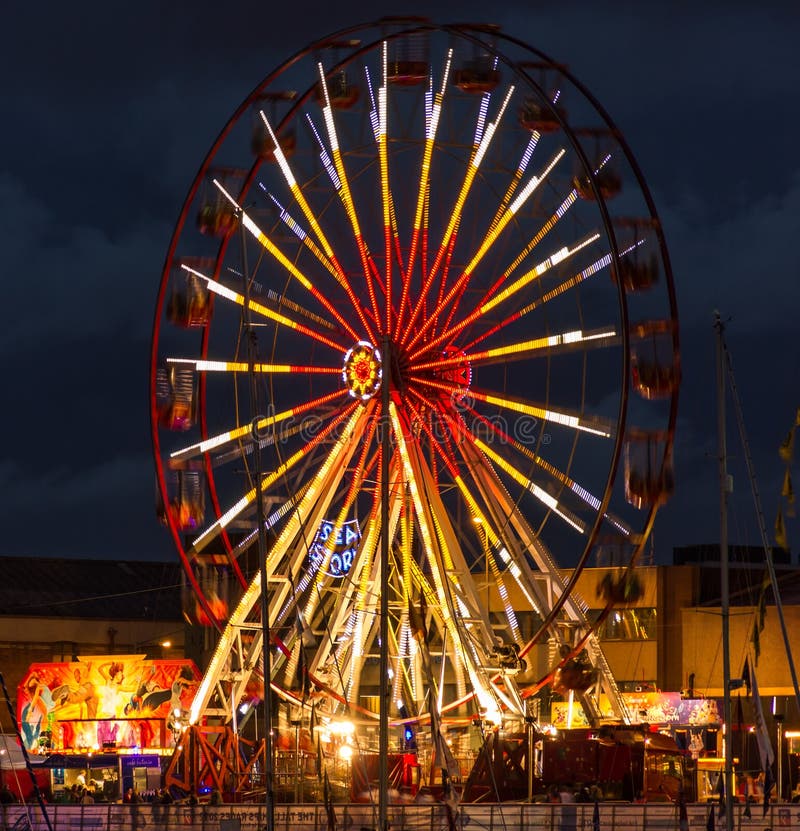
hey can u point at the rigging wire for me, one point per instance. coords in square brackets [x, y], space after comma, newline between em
[760, 514]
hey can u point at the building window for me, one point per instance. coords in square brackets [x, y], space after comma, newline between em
[626, 624]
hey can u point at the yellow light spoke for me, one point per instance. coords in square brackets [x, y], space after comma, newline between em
[542, 495]
[345, 193]
[259, 368]
[455, 216]
[267, 481]
[501, 209]
[536, 272]
[490, 238]
[557, 291]
[551, 470]
[258, 425]
[287, 264]
[516, 179]
[490, 303]
[548, 226]
[595, 426]
[265, 311]
[385, 191]
[432, 118]
[301, 200]
[524, 348]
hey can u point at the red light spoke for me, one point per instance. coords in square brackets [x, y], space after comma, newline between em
[594, 425]
[419, 304]
[364, 466]
[433, 320]
[430, 407]
[406, 285]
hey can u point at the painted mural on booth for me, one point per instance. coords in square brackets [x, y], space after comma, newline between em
[97, 702]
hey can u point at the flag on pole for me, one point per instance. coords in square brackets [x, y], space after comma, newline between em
[786, 449]
[780, 531]
[787, 490]
[765, 751]
[769, 784]
[758, 626]
[710, 821]
[721, 792]
[329, 809]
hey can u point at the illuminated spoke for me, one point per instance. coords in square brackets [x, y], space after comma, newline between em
[539, 493]
[265, 311]
[433, 111]
[551, 470]
[267, 481]
[259, 368]
[301, 200]
[345, 193]
[385, 192]
[330, 265]
[552, 294]
[455, 216]
[491, 236]
[595, 426]
[258, 426]
[546, 345]
[501, 209]
[500, 296]
[287, 264]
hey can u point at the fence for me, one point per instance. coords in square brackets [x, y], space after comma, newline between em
[313, 817]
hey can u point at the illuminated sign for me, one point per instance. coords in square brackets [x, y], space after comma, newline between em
[338, 544]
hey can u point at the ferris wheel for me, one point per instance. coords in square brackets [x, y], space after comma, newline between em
[434, 231]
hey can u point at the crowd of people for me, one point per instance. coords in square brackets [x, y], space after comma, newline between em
[160, 796]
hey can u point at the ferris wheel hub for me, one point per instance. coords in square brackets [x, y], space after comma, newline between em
[362, 372]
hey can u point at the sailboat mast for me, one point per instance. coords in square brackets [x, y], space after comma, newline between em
[383, 731]
[252, 356]
[724, 490]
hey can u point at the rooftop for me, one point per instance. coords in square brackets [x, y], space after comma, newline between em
[56, 587]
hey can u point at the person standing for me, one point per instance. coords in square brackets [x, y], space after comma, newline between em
[6, 795]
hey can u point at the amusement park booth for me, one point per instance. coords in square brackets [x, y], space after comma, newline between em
[105, 722]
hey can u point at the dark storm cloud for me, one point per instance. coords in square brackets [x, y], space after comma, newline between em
[109, 110]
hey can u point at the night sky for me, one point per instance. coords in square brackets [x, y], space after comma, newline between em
[108, 111]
